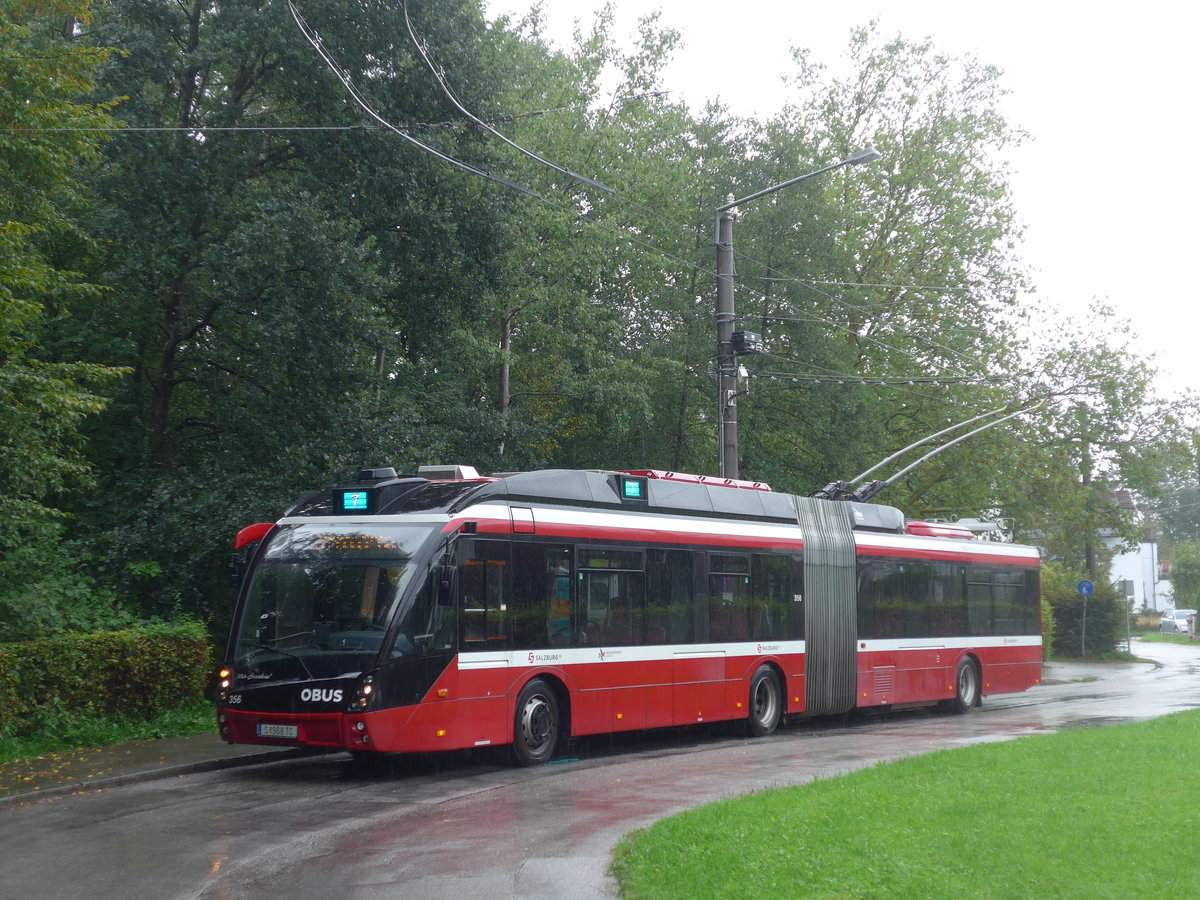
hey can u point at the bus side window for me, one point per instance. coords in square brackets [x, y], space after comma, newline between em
[558, 597]
[610, 597]
[980, 615]
[1009, 593]
[796, 606]
[917, 590]
[670, 597]
[947, 605]
[1033, 602]
[431, 623]
[884, 588]
[771, 598]
[541, 595]
[484, 599]
[728, 597]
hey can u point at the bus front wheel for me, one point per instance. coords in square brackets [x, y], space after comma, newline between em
[538, 724]
[766, 702]
[966, 687]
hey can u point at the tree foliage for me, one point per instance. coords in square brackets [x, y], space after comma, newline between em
[311, 262]
[43, 75]
[287, 271]
[1185, 574]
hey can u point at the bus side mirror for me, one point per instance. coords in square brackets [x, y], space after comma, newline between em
[447, 585]
[243, 549]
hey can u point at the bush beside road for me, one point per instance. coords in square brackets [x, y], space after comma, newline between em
[76, 690]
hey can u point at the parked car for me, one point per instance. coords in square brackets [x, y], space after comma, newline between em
[1175, 621]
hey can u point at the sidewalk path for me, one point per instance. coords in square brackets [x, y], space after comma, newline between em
[128, 763]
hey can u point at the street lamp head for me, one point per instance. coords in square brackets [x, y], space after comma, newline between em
[860, 157]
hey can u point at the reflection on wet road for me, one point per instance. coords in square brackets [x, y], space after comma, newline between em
[467, 826]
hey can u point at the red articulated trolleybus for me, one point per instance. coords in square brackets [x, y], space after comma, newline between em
[448, 610]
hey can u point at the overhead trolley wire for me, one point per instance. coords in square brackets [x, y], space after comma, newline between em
[314, 39]
[812, 286]
[438, 74]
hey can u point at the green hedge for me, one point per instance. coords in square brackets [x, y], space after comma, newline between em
[1105, 625]
[137, 673]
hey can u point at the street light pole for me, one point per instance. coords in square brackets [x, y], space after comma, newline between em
[726, 355]
[726, 359]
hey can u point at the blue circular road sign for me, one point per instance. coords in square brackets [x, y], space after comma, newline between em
[1086, 587]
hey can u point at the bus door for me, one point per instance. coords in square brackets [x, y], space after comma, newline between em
[611, 618]
[483, 676]
[700, 671]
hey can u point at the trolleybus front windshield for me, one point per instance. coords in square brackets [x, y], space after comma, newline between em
[321, 598]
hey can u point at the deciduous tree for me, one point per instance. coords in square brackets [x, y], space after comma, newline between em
[48, 137]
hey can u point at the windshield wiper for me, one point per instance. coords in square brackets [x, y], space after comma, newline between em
[270, 646]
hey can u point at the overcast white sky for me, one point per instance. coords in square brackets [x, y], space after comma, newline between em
[1105, 187]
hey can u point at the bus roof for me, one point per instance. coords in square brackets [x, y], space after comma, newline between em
[381, 491]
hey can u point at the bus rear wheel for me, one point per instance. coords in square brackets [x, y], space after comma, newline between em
[966, 687]
[766, 702]
[538, 725]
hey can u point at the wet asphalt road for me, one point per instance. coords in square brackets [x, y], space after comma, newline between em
[469, 826]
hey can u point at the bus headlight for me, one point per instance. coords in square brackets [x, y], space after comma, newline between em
[224, 680]
[366, 692]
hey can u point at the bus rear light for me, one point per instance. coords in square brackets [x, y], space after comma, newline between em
[441, 732]
[443, 693]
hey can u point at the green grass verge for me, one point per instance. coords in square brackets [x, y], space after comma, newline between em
[58, 731]
[1061, 815]
[1154, 637]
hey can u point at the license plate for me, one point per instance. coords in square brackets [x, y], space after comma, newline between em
[279, 731]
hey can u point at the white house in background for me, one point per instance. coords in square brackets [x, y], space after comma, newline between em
[1141, 572]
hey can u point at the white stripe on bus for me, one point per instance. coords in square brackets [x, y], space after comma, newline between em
[571, 656]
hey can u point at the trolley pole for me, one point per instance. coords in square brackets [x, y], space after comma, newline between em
[727, 365]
